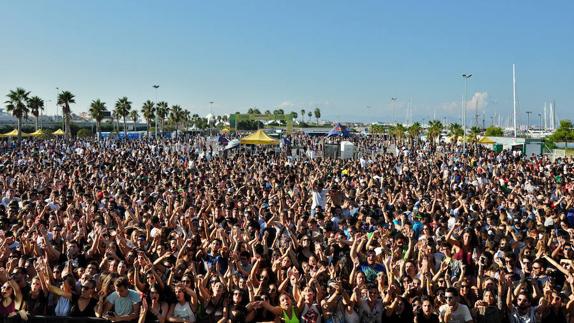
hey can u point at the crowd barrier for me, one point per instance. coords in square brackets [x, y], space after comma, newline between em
[54, 319]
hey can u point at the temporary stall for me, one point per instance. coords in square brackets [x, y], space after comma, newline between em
[259, 138]
[58, 132]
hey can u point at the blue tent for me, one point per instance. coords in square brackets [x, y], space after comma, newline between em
[338, 130]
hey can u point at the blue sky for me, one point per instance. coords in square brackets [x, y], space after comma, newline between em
[346, 57]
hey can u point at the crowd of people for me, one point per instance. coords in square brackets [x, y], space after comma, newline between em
[174, 231]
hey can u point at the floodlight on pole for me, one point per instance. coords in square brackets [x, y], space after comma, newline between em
[155, 86]
[466, 77]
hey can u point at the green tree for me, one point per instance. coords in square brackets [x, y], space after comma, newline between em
[414, 132]
[123, 107]
[97, 111]
[148, 112]
[36, 105]
[65, 98]
[134, 116]
[317, 113]
[187, 118]
[294, 115]
[176, 116]
[162, 109]
[494, 131]
[398, 132]
[564, 133]
[434, 130]
[302, 115]
[455, 131]
[310, 115]
[17, 105]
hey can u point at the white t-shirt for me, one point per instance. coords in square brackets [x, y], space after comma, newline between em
[319, 198]
[183, 312]
[460, 315]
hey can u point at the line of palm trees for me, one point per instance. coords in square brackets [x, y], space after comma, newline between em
[413, 132]
[316, 113]
[21, 104]
[176, 115]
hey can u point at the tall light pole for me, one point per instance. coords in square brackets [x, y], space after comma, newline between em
[393, 100]
[212, 118]
[528, 113]
[155, 86]
[41, 115]
[514, 99]
[465, 77]
[63, 121]
[540, 121]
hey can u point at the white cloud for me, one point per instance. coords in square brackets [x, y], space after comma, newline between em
[286, 105]
[478, 101]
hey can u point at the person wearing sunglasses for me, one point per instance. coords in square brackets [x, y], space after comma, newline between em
[84, 305]
[453, 311]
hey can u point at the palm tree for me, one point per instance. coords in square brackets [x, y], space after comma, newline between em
[176, 116]
[195, 119]
[294, 115]
[116, 121]
[148, 112]
[435, 128]
[187, 118]
[310, 114]
[317, 113]
[17, 105]
[302, 115]
[65, 98]
[134, 116]
[455, 131]
[398, 132]
[97, 111]
[414, 132]
[267, 112]
[36, 105]
[162, 109]
[123, 107]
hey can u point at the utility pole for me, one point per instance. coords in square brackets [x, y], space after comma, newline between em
[155, 86]
[514, 97]
[465, 77]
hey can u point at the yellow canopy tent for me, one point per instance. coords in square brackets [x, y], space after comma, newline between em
[58, 132]
[486, 141]
[39, 133]
[259, 138]
[14, 133]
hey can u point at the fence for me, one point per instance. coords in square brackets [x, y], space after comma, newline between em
[53, 319]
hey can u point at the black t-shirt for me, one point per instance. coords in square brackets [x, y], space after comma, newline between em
[340, 252]
[37, 306]
[89, 311]
[433, 318]
[405, 317]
